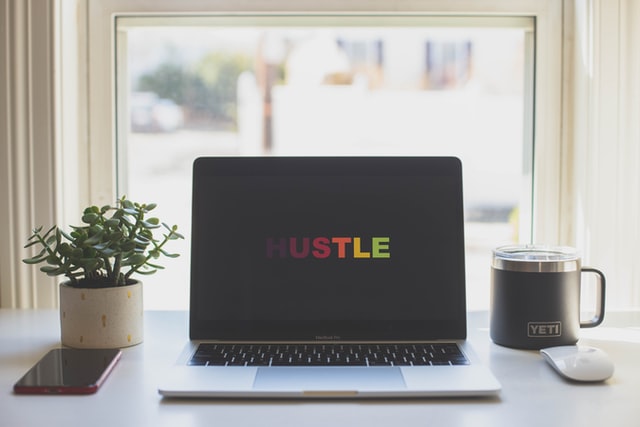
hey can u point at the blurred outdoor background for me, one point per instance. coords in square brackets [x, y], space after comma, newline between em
[196, 91]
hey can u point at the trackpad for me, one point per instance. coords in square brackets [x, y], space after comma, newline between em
[328, 379]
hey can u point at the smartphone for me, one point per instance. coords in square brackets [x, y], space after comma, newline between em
[69, 371]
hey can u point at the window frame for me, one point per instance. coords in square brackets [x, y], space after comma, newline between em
[100, 95]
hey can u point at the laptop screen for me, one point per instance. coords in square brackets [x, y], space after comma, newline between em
[327, 249]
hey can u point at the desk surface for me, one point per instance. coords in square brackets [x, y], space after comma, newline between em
[533, 394]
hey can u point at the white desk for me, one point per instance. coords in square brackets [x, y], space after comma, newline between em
[533, 394]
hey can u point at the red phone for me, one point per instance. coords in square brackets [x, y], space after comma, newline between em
[69, 371]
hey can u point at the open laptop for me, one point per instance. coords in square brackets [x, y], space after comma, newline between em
[327, 277]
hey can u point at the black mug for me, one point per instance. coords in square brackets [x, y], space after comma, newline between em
[535, 296]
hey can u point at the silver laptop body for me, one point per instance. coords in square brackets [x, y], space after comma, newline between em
[293, 253]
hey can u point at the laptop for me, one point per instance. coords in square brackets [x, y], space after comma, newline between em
[327, 278]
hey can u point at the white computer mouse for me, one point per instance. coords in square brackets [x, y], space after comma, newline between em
[579, 363]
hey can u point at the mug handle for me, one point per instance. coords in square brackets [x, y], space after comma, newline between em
[599, 316]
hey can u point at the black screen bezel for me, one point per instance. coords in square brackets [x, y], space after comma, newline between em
[452, 327]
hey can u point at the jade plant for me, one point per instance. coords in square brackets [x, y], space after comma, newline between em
[113, 244]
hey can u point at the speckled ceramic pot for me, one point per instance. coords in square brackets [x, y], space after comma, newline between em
[102, 317]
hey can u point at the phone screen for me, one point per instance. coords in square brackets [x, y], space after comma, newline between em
[69, 371]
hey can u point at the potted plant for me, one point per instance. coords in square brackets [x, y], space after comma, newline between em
[100, 302]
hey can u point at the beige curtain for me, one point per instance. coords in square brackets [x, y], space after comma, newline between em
[602, 83]
[27, 150]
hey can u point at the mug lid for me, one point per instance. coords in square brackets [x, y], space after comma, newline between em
[536, 258]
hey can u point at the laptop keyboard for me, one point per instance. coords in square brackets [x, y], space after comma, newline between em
[210, 354]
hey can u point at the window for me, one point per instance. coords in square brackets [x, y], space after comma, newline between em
[539, 209]
[328, 86]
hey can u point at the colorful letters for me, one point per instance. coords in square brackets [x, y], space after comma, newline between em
[324, 247]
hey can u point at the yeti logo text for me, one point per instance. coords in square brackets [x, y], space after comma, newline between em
[323, 247]
[544, 329]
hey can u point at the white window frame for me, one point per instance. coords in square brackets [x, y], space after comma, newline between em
[547, 203]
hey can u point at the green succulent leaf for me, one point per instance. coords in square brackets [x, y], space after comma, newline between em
[142, 241]
[149, 224]
[154, 221]
[155, 266]
[36, 259]
[146, 272]
[66, 235]
[108, 252]
[128, 246]
[50, 240]
[116, 236]
[175, 236]
[127, 221]
[112, 223]
[65, 249]
[90, 218]
[169, 255]
[101, 246]
[52, 271]
[76, 253]
[95, 229]
[148, 234]
[135, 259]
[90, 252]
[93, 240]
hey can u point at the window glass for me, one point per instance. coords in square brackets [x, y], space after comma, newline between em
[333, 89]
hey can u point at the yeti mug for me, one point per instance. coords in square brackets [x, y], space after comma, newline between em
[535, 296]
